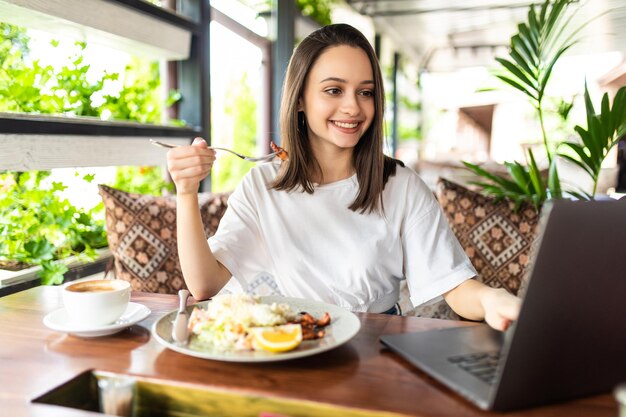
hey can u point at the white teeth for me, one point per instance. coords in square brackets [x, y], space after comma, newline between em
[346, 125]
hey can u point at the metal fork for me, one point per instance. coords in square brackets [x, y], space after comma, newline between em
[247, 158]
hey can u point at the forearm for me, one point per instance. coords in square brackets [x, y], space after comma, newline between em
[466, 299]
[476, 301]
[203, 274]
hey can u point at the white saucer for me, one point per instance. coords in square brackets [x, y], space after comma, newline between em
[58, 320]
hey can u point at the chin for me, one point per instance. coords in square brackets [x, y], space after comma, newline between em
[345, 142]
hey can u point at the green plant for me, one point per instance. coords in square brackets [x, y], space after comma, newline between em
[240, 109]
[318, 10]
[37, 227]
[603, 132]
[533, 53]
[141, 180]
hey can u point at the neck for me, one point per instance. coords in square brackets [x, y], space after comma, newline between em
[334, 167]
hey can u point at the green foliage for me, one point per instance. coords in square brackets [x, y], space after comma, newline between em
[241, 110]
[142, 180]
[534, 51]
[139, 99]
[35, 88]
[73, 88]
[603, 132]
[526, 183]
[318, 10]
[38, 227]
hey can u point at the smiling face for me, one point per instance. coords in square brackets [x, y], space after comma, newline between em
[338, 99]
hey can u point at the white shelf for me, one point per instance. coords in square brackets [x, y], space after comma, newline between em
[24, 152]
[102, 22]
[8, 278]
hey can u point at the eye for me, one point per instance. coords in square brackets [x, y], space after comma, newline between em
[367, 93]
[333, 91]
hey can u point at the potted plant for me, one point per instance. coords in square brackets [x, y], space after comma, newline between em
[534, 51]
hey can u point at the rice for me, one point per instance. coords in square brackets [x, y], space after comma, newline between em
[224, 324]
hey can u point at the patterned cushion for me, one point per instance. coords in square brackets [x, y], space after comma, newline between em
[141, 231]
[496, 237]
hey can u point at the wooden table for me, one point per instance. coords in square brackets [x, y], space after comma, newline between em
[360, 374]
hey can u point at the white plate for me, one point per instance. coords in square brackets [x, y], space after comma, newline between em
[59, 320]
[344, 325]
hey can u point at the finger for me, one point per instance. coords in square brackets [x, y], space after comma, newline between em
[191, 173]
[497, 322]
[182, 152]
[190, 161]
[505, 325]
[510, 309]
[199, 142]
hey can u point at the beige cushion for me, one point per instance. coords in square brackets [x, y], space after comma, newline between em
[141, 231]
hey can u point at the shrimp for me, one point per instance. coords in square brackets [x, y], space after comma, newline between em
[280, 152]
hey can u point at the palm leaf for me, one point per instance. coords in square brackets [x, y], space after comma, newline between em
[528, 38]
[505, 183]
[533, 24]
[514, 69]
[587, 141]
[521, 60]
[521, 45]
[520, 176]
[602, 133]
[582, 195]
[609, 125]
[515, 84]
[535, 176]
[543, 81]
[584, 162]
[554, 183]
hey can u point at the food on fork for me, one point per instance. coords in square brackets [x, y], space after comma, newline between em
[280, 152]
[241, 322]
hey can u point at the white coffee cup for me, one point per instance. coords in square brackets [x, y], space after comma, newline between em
[94, 303]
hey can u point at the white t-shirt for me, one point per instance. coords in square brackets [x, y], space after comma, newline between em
[317, 248]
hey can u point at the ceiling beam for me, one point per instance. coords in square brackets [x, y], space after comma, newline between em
[370, 11]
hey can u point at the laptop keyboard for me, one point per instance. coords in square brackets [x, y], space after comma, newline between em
[482, 365]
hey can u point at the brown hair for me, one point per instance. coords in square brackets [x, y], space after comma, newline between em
[373, 168]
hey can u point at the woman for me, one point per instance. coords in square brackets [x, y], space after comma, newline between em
[339, 221]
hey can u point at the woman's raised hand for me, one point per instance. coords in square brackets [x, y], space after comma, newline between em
[188, 165]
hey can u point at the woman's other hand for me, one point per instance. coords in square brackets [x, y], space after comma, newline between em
[188, 165]
[476, 301]
[501, 308]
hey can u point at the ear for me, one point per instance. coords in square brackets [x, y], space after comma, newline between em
[300, 105]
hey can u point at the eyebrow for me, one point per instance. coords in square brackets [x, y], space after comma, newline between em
[341, 80]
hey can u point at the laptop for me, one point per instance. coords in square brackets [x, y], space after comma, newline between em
[570, 338]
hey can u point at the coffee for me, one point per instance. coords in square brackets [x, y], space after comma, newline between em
[94, 286]
[96, 302]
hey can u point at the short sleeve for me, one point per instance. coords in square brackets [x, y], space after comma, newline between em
[237, 243]
[434, 261]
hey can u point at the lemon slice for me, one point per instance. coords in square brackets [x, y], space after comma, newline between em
[278, 338]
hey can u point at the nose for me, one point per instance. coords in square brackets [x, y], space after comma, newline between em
[350, 105]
